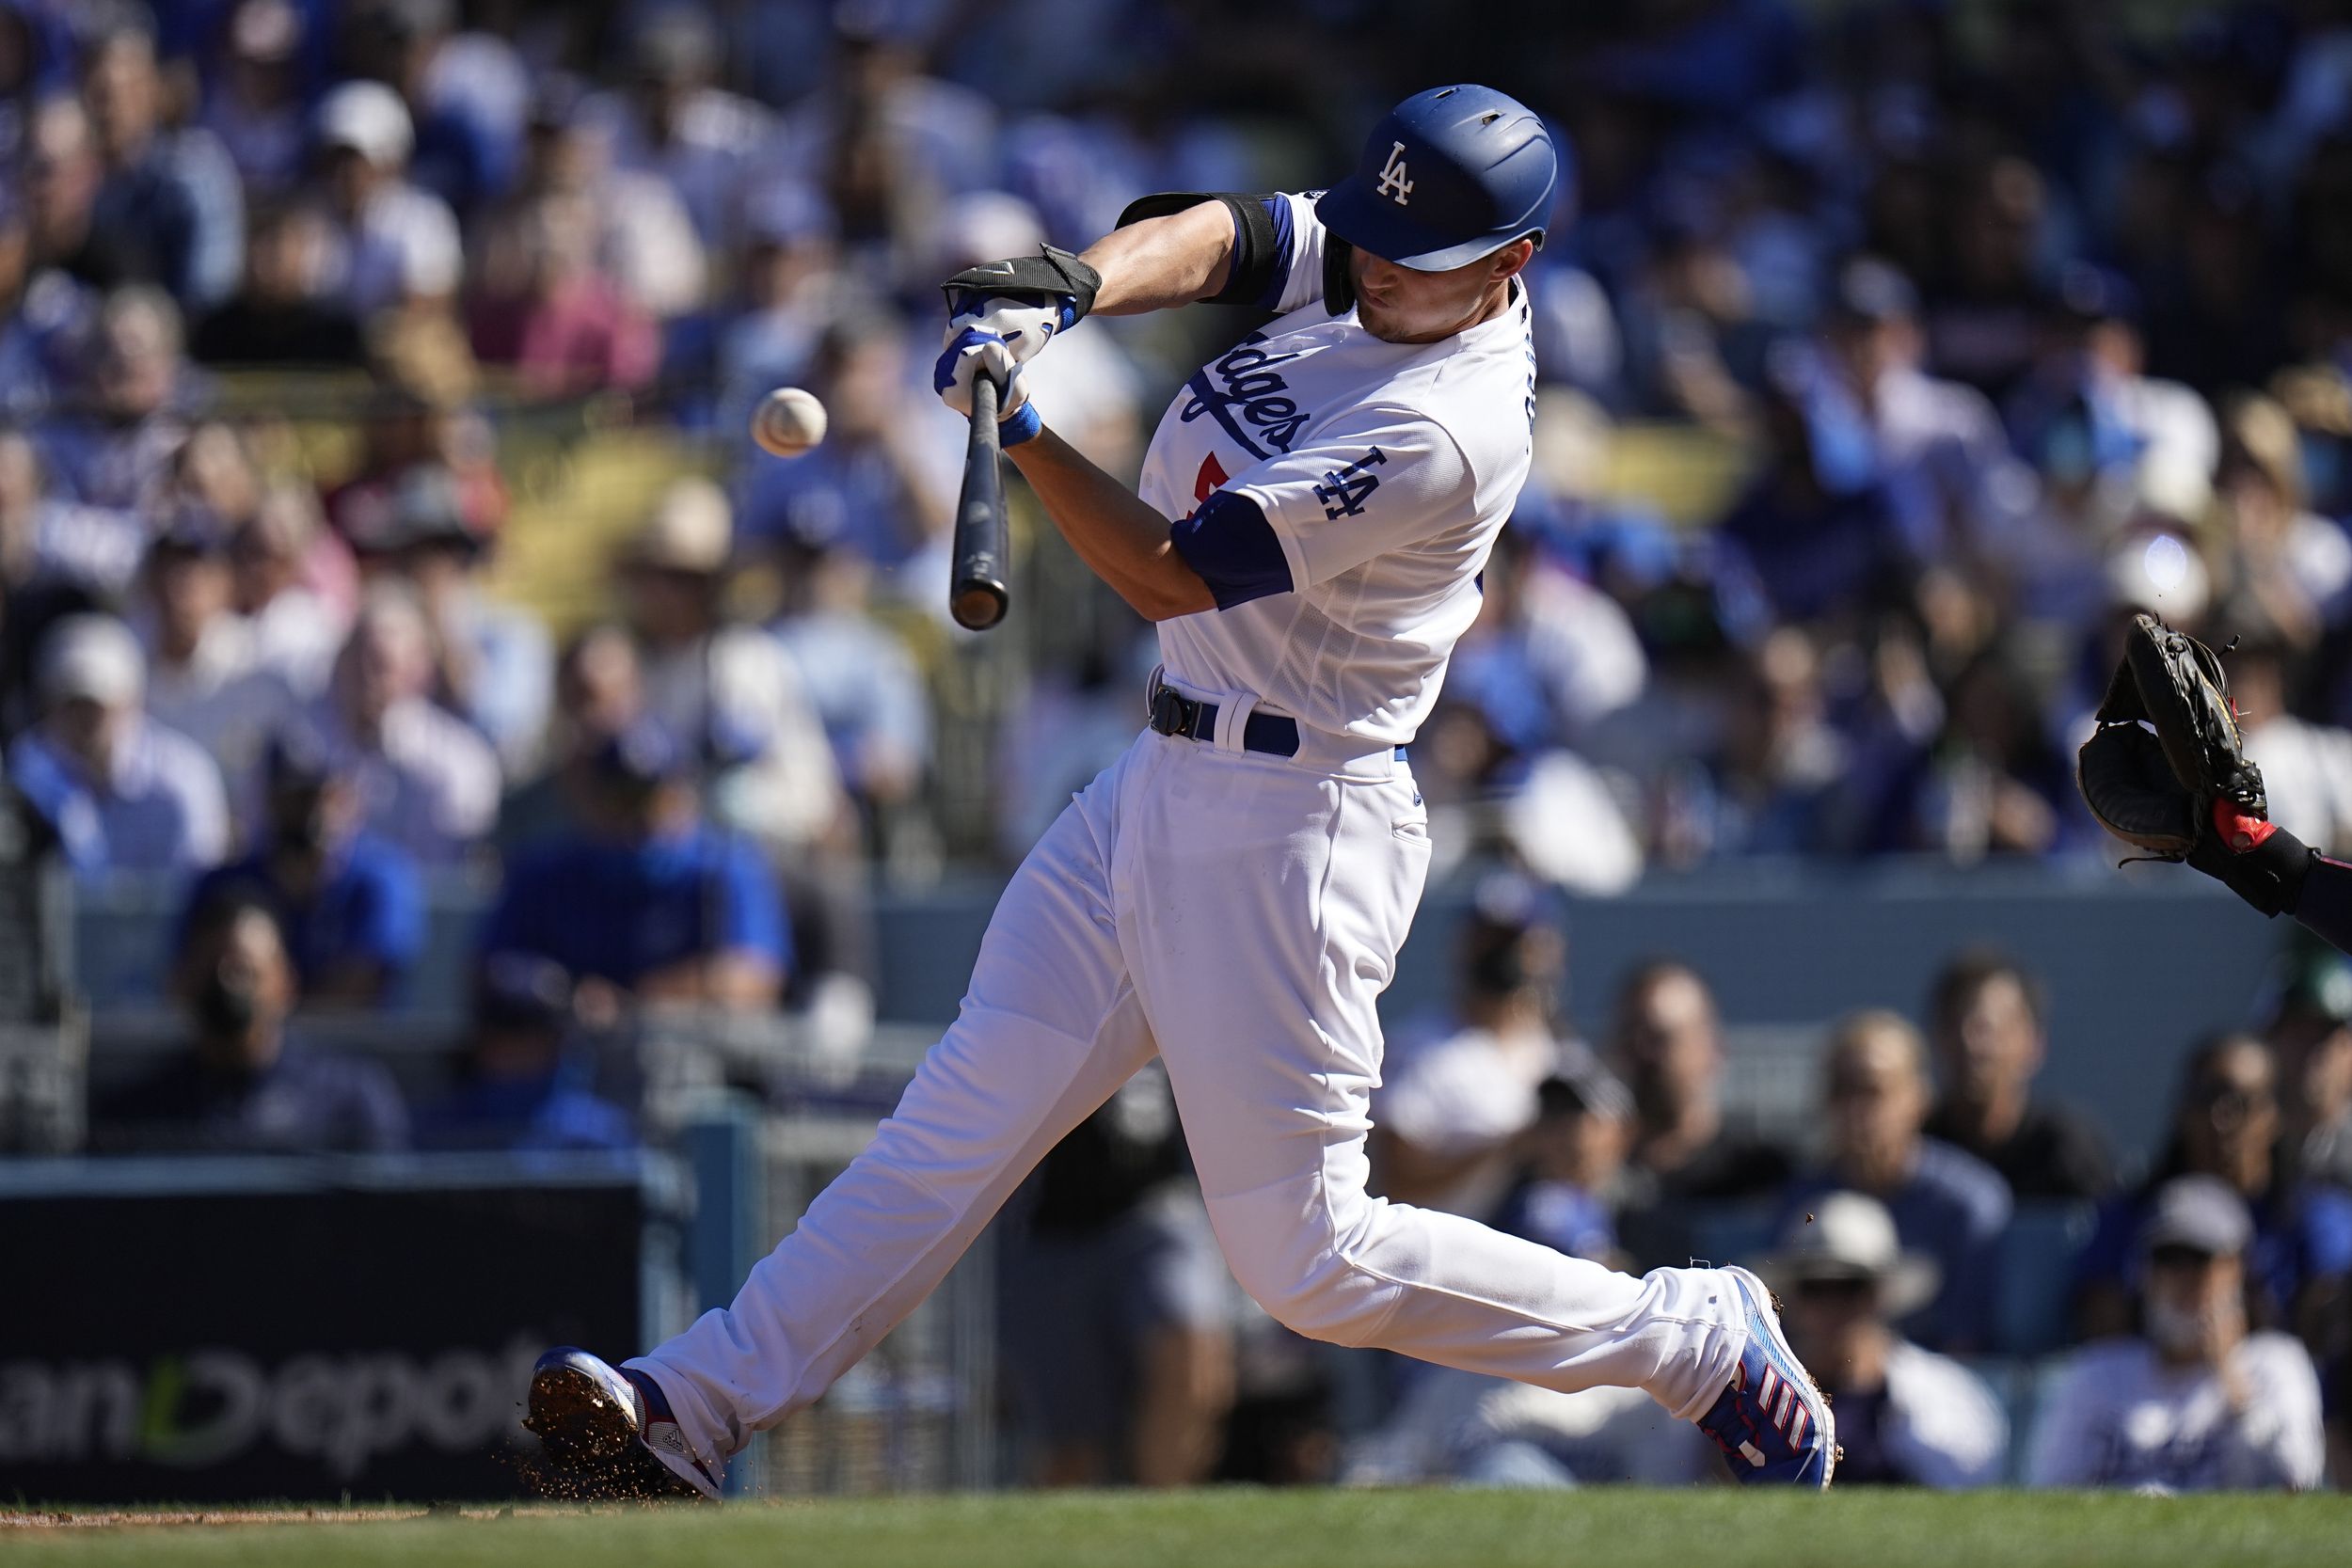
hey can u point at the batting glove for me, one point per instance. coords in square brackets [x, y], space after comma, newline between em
[1024, 324]
[1024, 299]
[972, 352]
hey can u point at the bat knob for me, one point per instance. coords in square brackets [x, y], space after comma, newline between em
[978, 606]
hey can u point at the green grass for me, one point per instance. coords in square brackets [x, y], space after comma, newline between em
[1596, 1528]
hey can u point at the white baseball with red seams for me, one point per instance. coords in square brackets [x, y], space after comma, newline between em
[1239, 915]
[789, 421]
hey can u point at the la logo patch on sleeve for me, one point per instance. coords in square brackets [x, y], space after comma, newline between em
[1343, 491]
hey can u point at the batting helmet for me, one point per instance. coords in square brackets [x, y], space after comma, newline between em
[1446, 177]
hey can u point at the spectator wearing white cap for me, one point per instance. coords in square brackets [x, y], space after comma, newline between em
[728, 693]
[428, 784]
[1905, 1416]
[394, 243]
[2193, 1402]
[124, 792]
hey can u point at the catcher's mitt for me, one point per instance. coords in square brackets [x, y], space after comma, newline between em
[2159, 790]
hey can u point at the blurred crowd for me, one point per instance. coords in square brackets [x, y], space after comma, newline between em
[1989, 1294]
[1991, 323]
[1952, 334]
[1892, 354]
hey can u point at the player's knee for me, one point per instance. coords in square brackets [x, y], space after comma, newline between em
[1308, 1276]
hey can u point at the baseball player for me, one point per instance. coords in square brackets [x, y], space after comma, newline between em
[1315, 508]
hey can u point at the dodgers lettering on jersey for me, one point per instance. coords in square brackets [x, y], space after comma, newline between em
[1385, 470]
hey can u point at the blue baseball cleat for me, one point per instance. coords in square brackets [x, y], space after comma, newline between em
[1772, 1422]
[608, 1433]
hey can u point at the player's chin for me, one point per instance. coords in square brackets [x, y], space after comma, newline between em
[1383, 324]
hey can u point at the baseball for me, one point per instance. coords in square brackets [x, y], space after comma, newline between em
[789, 421]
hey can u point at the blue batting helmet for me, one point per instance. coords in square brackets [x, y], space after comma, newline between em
[1446, 177]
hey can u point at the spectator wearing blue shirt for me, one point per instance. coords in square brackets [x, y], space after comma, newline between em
[2226, 1124]
[646, 898]
[124, 792]
[1826, 528]
[43, 316]
[871, 486]
[351, 906]
[115, 453]
[242, 1087]
[792, 283]
[525, 1088]
[170, 210]
[1951, 1206]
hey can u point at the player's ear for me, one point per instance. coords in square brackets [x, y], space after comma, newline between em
[1512, 257]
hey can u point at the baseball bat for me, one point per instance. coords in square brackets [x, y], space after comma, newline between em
[978, 597]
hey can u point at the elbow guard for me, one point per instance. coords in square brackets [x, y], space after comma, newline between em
[1258, 259]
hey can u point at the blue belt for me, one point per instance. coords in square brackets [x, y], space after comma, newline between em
[1173, 713]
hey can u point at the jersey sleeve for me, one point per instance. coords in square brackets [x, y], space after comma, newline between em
[1378, 479]
[1299, 251]
[1280, 249]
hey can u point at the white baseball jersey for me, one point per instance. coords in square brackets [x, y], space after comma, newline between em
[1385, 469]
[2121, 1417]
[1236, 913]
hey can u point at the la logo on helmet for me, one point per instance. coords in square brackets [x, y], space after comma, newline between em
[1393, 181]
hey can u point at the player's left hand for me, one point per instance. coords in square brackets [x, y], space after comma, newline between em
[1025, 300]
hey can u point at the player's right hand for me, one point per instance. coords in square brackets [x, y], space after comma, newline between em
[1024, 324]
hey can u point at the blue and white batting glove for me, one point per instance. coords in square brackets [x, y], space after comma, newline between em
[972, 352]
[1026, 323]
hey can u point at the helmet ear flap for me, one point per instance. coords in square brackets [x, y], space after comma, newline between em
[1339, 279]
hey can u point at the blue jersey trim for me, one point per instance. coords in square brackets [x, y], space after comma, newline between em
[1278, 208]
[1229, 542]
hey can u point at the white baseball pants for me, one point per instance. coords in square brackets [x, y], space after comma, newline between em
[1238, 913]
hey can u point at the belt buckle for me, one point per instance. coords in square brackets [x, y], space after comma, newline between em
[1172, 712]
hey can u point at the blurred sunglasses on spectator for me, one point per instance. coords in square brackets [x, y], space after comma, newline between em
[2179, 1255]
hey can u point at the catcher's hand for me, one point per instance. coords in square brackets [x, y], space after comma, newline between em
[2167, 770]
